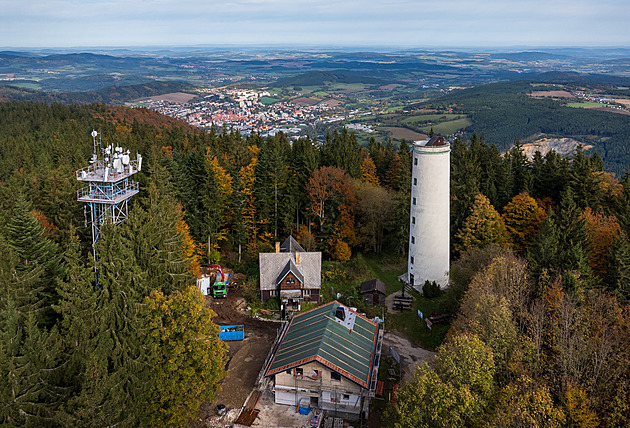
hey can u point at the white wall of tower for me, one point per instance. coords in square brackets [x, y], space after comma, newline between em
[429, 222]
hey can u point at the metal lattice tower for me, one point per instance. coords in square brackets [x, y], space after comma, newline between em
[109, 188]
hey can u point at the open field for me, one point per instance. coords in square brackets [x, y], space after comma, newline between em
[174, 97]
[426, 118]
[268, 100]
[447, 128]
[304, 101]
[393, 109]
[400, 133]
[554, 94]
[586, 104]
[333, 102]
[625, 102]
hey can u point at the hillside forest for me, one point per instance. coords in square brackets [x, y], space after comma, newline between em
[540, 272]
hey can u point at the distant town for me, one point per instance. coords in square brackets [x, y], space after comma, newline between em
[255, 111]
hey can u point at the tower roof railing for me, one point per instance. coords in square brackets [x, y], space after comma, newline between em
[101, 172]
[113, 194]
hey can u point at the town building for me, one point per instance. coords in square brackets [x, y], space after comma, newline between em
[429, 222]
[328, 357]
[291, 274]
[373, 292]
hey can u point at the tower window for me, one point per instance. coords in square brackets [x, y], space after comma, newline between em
[415, 181]
[414, 201]
[415, 161]
[413, 239]
[411, 259]
[413, 220]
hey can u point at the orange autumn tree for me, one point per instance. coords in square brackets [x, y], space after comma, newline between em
[602, 230]
[333, 200]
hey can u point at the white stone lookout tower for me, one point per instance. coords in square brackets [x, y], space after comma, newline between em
[429, 223]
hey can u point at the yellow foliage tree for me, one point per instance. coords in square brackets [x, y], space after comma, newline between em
[523, 217]
[248, 180]
[481, 228]
[189, 246]
[368, 171]
[186, 357]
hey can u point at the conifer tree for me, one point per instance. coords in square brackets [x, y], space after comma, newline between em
[618, 272]
[37, 264]
[30, 360]
[108, 335]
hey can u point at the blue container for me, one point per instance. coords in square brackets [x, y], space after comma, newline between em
[232, 332]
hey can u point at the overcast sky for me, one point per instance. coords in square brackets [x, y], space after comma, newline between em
[395, 23]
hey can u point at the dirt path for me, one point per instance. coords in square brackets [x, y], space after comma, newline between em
[245, 357]
[410, 353]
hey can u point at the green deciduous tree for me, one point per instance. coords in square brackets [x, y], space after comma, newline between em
[454, 393]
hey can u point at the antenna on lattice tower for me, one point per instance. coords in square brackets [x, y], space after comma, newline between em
[108, 189]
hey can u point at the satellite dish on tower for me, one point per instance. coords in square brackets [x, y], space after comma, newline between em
[94, 133]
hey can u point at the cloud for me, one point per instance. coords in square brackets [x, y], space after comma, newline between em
[394, 22]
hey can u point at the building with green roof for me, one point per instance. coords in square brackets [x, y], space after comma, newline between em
[328, 355]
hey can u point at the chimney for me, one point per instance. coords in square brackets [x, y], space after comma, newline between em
[277, 247]
[297, 257]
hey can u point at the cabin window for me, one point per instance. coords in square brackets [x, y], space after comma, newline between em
[315, 372]
[289, 371]
[307, 292]
[346, 396]
[290, 280]
[335, 376]
[299, 372]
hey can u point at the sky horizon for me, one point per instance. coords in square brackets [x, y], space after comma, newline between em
[387, 23]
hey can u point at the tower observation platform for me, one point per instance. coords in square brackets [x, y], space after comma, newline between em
[109, 187]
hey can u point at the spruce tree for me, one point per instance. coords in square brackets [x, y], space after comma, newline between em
[30, 361]
[107, 331]
[37, 265]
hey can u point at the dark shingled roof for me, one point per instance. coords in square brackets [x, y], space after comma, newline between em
[316, 336]
[290, 267]
[291, 245]
[435, 141]
[373, 284]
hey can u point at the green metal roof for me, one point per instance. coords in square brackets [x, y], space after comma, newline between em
[316, 336]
